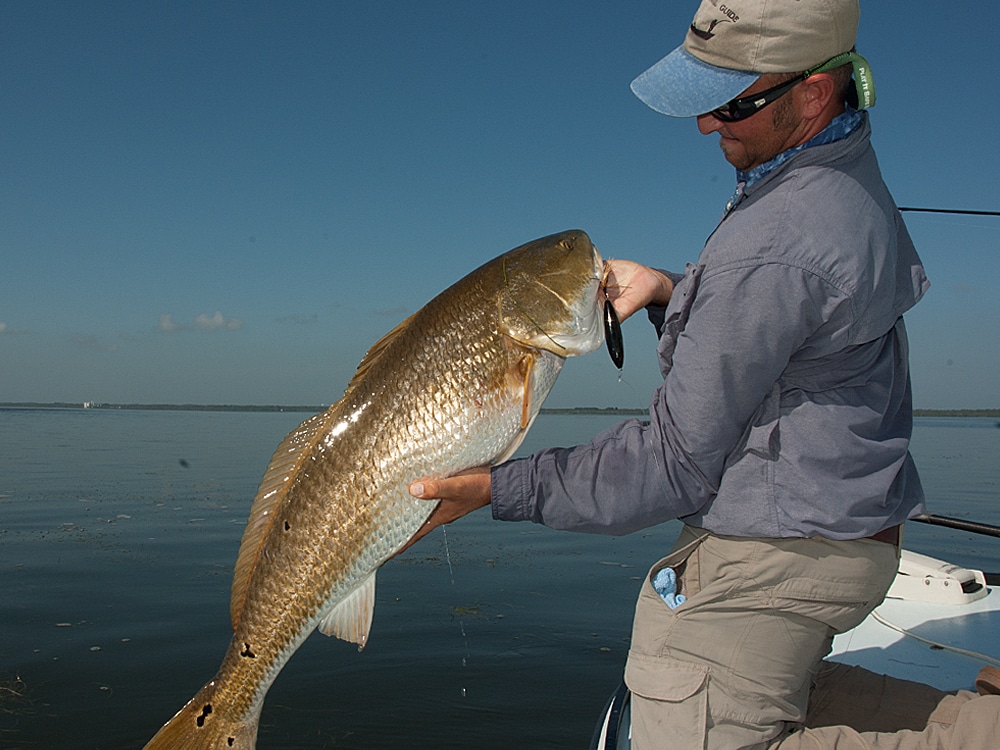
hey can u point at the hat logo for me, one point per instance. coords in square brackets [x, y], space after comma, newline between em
[709, 33]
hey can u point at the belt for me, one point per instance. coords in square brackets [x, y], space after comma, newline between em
[889, 535]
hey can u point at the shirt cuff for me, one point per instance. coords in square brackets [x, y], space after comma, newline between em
[507, 496]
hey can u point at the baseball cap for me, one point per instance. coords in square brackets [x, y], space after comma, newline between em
[730, 44]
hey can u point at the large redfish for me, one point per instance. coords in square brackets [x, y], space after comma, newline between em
[454, 386]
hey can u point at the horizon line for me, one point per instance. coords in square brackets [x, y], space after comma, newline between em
[959, 412]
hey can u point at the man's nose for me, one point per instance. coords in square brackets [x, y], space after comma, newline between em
[708, 124]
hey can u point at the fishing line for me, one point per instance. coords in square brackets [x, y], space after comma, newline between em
[461, 622]
[935, 644]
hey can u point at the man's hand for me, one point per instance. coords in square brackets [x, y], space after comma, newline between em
[459, 495]
[631, 286]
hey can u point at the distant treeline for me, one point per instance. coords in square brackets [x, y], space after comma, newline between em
[262, 407]
[160, 407]
[956, 412]
[993, 413]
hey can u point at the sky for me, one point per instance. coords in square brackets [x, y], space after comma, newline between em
[229, 202]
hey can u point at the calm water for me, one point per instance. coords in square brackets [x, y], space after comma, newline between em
[119, 529]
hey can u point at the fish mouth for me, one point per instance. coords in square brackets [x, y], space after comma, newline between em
[587, 339]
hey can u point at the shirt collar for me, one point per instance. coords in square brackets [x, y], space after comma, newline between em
[839, 128]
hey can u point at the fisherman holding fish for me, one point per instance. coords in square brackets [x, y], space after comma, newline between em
[780, 432]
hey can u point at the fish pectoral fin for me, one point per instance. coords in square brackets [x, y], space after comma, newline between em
[521, 384]
[526, 366]
[351, 619]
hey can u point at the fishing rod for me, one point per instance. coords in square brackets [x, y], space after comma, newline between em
[958, 523]
[930, 518]
[963, 211]
[992, 579]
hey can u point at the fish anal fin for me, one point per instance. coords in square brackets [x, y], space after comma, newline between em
[273, 490]
[351, 619]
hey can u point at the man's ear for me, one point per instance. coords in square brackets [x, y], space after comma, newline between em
[815, 94]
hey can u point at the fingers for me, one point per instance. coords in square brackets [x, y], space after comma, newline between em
[630, 287]
[471, 488]
[460, 494]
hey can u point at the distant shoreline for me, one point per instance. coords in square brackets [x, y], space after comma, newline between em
[612, 410]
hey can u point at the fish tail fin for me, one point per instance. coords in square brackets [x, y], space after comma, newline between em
[201, 725]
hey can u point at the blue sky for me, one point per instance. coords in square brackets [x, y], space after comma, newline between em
[230, 202]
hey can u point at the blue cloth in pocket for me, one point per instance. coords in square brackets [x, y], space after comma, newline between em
[665, 583]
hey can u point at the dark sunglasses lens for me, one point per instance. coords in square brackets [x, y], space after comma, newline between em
[728, 113]
[740, 109]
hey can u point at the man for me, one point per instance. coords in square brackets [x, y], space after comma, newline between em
[780, 433]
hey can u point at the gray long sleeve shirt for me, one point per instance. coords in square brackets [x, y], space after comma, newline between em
[785, 408]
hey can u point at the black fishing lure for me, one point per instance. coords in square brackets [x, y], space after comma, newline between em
[613, 335]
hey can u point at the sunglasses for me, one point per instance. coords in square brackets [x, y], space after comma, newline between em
[863, 92]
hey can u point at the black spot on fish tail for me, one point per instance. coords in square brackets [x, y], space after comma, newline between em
[613, 335]
[288, 526]
[200, 721]
[247, 652]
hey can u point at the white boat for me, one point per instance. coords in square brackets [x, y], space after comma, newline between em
[938, 625]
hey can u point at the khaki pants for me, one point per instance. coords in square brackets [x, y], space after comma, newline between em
[853, 709]
[732, 666]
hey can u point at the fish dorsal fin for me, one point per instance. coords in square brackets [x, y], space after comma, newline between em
[273, 489]
[351, 619]
[277, 479]
[377, 350]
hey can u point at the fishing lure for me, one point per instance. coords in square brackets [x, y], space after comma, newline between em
[613, 335]
[612, 325]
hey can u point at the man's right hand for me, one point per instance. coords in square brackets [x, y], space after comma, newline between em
[459, 495]
[631, 286]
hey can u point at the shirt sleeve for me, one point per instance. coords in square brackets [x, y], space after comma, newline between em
[744, 325]
[657, 313]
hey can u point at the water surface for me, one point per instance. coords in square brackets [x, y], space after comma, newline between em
[119, 530]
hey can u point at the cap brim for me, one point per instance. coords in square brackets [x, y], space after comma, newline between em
[681, 85]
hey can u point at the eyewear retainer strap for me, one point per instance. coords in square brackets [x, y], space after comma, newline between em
[864, 84]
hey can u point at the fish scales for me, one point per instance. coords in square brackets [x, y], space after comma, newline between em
[454, 386]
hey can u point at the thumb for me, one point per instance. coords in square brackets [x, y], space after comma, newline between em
[425, 489]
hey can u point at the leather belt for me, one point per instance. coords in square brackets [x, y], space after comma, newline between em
[889, 535]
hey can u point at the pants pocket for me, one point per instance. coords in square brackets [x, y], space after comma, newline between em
[669, 702]
[653, 618]
[683, 558]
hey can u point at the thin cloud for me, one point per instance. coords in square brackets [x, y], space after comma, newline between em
[217, 322]
[167, 324]
[8, 330]
[203, 322]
